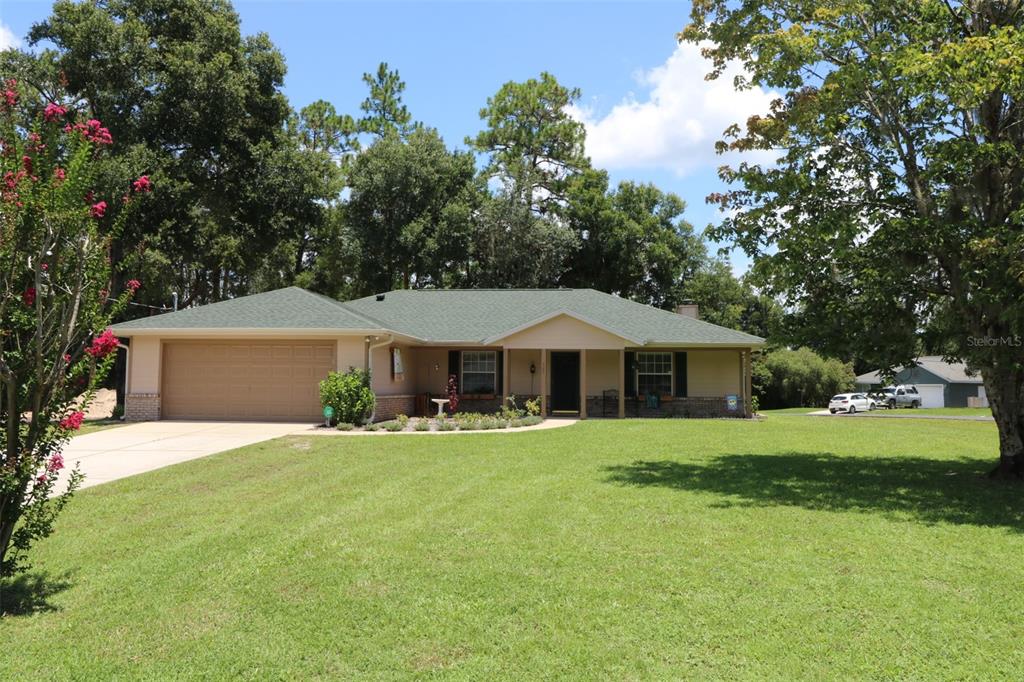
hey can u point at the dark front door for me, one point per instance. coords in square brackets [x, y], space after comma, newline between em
[565, 382]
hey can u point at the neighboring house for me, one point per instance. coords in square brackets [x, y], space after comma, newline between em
[940, 383]
[261, 357]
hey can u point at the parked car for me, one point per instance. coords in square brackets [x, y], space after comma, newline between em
[850, 402]
[898, 396]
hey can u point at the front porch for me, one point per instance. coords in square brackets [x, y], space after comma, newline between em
[572, 382]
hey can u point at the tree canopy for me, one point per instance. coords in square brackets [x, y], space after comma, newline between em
[897, 203]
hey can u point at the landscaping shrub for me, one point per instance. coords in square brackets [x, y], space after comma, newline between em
[402, 419]
[516, 423]
[349, 394]
[531, 420]
[393, 425]
[533, 407]
[799, 378]
[510, 410]
[346, 426]
[372, 427]
[446, 425]
[422, 425]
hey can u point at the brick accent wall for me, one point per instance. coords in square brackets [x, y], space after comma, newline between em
[142, 407]
[703, 408]
[390, 406]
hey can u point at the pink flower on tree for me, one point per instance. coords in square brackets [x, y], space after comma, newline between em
[59, 174]
[103, 345]
[72, 422]
[67, 358]
[26, 162]
[98, 210]
[53, 112]
[42, 479]
[28, 297]
[56, 462]
[133, 285]
[91, 130]
[142, 184]
[10, 95]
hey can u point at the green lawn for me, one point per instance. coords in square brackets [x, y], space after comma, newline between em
[953, 411]
[786, 548]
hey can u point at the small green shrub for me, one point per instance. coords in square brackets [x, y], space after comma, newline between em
[349, 394]
[422, 425]
[511, 410]
[372, 427]
[488, 423]
[402, 419]
[533, 407]
[345, 426]
[393, 426]
[446, 425]
[469, 425]
[516, 423]
[532, 420]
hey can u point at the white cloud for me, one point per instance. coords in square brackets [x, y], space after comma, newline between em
[7, 38]
[678, 123]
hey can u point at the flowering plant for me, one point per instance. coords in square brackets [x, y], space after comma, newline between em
[55, 310]
[453, 393]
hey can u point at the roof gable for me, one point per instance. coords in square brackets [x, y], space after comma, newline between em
[479, 315]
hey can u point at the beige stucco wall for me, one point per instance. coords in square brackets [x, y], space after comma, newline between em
[520, 381]
[563, 333]
[602, 371]
[351, 352]
[144, 369]
[712, 373]
[431, 370]
[382, 381]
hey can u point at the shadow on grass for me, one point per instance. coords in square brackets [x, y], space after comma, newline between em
[30, 593]
[928, 490]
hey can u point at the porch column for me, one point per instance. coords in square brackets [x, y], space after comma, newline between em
[506, 364]
[622, 383]
[583, 383]
[748, 373]
[543, 382]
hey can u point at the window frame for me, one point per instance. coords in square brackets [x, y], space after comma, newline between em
[671, 374]
[463, 372]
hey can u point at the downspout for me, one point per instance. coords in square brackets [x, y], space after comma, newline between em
[369, 366]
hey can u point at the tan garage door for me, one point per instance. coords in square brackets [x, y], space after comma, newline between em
[251, 380]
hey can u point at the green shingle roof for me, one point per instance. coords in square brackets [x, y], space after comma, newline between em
[288, 308]
[447, 315]
[474, 315]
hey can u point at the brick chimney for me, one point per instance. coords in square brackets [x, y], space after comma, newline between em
[688, 310]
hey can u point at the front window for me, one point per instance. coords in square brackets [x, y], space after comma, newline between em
[654, 373]
[478, 371]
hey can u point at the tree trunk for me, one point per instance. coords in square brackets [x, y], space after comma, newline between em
[1005, 389]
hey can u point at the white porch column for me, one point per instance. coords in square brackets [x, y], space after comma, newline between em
[583, 383]
[622, 383]
[543, 382]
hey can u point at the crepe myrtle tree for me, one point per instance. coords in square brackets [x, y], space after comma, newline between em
[55, 306]
[896, 208]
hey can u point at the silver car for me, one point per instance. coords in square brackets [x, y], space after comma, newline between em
[850, 403]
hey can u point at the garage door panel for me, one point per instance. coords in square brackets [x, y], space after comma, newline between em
[258, 380]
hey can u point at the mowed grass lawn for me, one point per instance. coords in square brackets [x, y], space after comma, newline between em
[786, 548]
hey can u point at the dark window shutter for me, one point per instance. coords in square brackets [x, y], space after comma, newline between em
[630, 373]
[680, 375]
[499, 369]
[454, 358]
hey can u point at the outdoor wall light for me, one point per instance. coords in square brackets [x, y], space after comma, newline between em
[533, 368]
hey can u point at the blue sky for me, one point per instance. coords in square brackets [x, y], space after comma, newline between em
[650, 115]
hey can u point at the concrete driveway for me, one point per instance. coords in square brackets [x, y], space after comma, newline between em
[128, 450]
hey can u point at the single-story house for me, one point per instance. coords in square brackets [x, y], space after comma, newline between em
[580, 351]
[940, 383]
